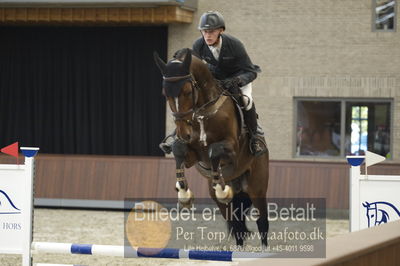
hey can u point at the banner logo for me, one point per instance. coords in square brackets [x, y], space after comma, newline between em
[380, 212]
[6, 204]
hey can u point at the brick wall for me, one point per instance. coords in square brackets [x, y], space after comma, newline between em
[311, 48]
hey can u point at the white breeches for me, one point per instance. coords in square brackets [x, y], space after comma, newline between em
[247, 98]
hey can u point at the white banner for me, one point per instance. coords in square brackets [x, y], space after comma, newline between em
[16, 196]
[11, 203]
[374, 199]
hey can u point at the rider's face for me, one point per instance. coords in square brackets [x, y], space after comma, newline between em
[211, 36]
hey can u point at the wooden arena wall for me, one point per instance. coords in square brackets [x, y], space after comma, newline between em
[117, 178]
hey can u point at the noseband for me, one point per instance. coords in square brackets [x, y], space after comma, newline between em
[196, 111]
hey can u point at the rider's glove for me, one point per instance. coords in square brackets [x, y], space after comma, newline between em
[212, 68]
[232, 84]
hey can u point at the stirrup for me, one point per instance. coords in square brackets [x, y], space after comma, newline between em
[257, 145]
[260, 131]
[166, 146]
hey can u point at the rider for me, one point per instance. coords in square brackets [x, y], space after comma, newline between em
[229, 63]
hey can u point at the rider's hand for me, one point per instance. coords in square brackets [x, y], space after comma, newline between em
[232, 84]
[212, 68]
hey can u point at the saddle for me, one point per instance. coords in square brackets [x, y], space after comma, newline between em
[236, 98]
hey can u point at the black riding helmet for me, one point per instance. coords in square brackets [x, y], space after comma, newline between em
[211, 20]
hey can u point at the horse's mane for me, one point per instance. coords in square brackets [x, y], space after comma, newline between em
[180, 54]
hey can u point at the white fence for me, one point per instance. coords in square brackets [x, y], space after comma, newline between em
[16, 183]
[374, 199]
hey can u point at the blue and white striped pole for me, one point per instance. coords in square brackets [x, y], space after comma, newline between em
[52, 264]
[121, 251]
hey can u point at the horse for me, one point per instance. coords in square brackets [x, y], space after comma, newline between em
[209, 136]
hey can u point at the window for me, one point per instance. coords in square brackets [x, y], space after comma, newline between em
[326, 127]
[358, 129]
[368, 127]
[384, 15]
[318, 128]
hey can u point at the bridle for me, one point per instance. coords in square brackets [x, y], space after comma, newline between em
[180, 116]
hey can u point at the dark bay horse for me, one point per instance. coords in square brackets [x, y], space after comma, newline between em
[209, 137]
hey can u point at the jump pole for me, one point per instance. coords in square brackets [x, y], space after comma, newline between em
[129, 252]
[52, 264]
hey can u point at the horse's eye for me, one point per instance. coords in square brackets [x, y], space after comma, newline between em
[372, 216]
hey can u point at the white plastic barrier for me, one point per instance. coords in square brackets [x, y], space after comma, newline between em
[374, 199]
[16, 200]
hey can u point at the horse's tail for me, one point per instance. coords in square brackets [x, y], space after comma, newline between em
[242, 203]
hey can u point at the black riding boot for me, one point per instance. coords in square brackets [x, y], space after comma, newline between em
[165, 145]
[257, 142]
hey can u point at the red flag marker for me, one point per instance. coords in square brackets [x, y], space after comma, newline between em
[11, 149]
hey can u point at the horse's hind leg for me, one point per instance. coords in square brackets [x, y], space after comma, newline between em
[257, 189]
[185, 195]
[262, 222]
[234, 218]
[240, 204]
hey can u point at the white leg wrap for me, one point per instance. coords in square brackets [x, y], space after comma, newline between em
[184, 196]
[223, 194]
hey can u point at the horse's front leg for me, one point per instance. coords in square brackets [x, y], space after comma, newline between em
[182, 154]
[216, 152]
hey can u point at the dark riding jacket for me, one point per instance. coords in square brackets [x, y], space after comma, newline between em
[233, 60]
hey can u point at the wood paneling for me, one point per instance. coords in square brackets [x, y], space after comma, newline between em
[122, 177]
[95, 16]
[312, 180]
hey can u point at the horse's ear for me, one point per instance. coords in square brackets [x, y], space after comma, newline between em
[188, 59]
[159, 62]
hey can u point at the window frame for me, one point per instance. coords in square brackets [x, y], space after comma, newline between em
[343, 102]
[373, 20]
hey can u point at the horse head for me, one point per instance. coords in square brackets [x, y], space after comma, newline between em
[182, 89]
[179, 91]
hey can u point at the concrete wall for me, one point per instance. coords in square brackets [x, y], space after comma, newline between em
[311, 48]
